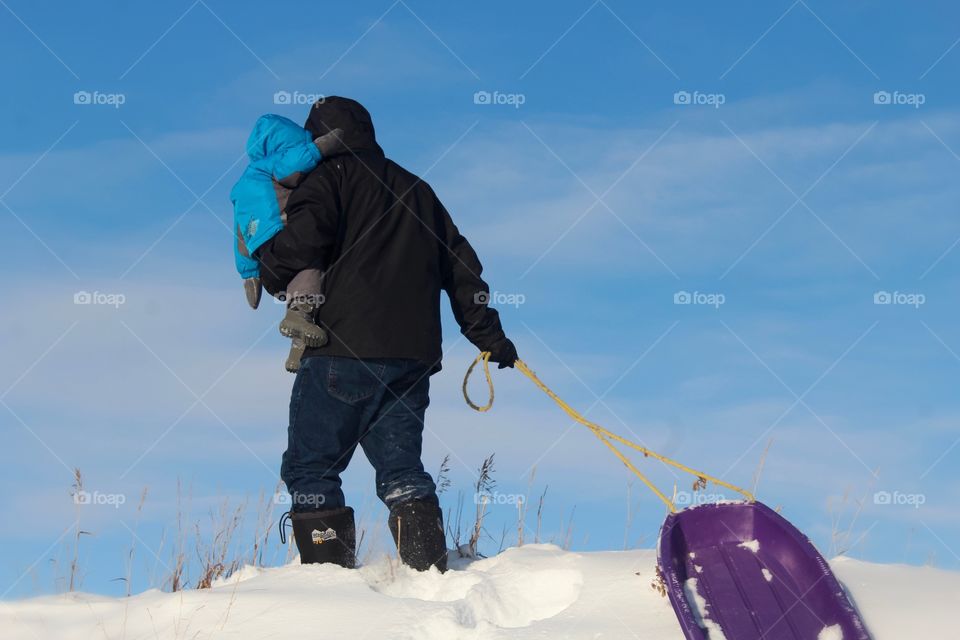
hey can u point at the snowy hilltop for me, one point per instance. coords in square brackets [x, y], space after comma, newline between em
[536, 591]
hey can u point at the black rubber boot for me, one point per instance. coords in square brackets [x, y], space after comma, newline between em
[326, 536]
[417, 528]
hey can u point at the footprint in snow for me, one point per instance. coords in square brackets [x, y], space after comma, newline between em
[513, 589]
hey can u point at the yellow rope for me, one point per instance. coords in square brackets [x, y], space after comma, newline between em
[604, 435]
[485, 358]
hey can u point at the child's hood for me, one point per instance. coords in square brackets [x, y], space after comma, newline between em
[273, 133]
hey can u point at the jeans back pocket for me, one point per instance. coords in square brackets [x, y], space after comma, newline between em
[354, 381]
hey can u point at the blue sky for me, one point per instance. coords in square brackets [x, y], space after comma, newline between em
[792, 160]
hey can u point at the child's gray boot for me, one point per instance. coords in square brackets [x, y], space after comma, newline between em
[299, 324]
[297, 347]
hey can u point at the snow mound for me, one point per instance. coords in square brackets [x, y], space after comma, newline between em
[534, 592]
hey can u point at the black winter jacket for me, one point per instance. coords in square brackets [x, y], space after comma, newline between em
[387, 247]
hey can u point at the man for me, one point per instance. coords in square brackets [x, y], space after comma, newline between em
[387, 247]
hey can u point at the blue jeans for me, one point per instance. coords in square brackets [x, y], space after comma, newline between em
[338, 403]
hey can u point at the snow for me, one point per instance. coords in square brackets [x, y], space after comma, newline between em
[751, 545]
[899, 601]
[701, 613]
[833, 632]
[767, 575]
[537, 591]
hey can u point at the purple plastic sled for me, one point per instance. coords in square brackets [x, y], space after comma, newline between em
[742, 572]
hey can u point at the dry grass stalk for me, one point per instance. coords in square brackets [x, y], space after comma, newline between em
[483, 487]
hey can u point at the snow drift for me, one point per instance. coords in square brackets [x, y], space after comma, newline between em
[537, 591]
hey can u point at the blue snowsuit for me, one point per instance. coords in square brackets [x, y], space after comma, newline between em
[281, 153]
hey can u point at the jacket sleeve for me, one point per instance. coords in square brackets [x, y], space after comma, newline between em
[469, 294]
[309, 235]
[290, 162]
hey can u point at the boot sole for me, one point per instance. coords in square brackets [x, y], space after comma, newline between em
[310, 338]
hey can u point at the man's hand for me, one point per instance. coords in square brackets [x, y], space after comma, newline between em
[504, 354]
[331, 144]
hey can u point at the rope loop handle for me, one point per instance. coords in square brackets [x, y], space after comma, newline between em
[605, 436]
[485, 358]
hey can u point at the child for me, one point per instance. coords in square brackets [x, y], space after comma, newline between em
[281, 153]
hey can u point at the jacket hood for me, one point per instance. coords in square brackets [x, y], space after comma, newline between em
[333, 111]
[273, 133]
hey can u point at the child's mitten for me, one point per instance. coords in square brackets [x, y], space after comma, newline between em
[331, 144]
[253, 289]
